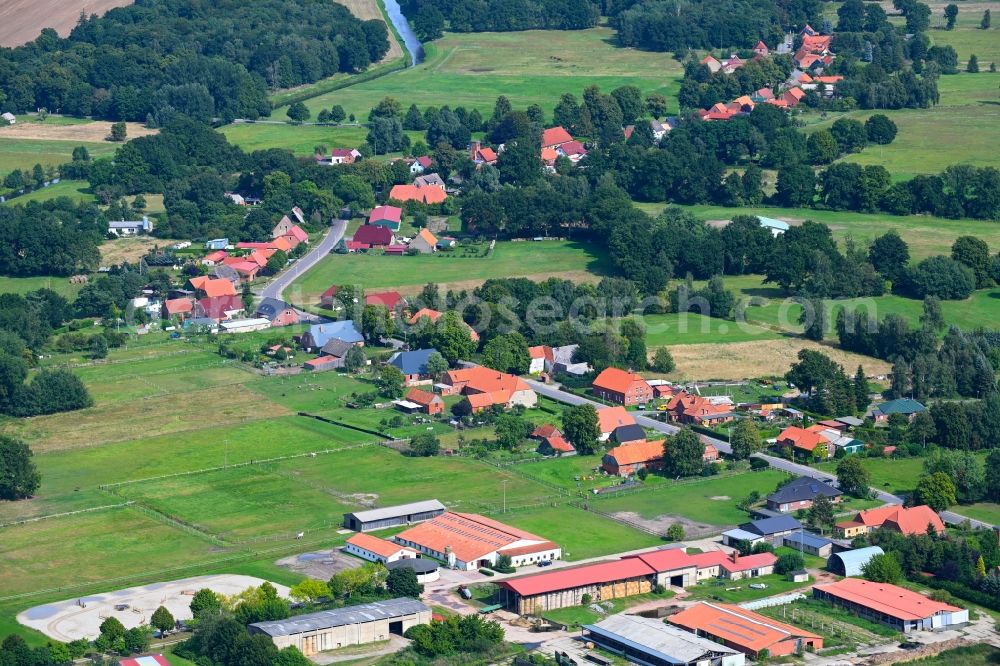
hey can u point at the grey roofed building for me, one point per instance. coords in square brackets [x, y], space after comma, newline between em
[650, 641]
[412, 363]
[336, 348]
[809, 543]
[768, 526]
[319, 334]
[851, 562]
[802, 489]
[224, 272]
[338, 617]
[430, 180]
[852, 421]
[269, 308]
[403, 514]
[628, 433]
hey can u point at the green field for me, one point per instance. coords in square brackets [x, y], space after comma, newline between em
[300, 139]
[17, 285]
[78, 190]
[692, 328]
[985, 511]
[581, 534]
[565, 259]
[26, 153]
[735, 592]
[712, 500]
[963, 129]
[532, 67]
[574, 616]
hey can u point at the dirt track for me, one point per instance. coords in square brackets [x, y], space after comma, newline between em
[22, 20]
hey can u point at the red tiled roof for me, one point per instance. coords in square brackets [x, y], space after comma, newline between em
[216, 307]
[389, 213]
[469, 536]
[218, 287]
[422, 397]
[570, 578]
[912, 520]
[218, 255]
[433, 315]
[488, 154]
[736, 626]
[609, 418]
[545, 430]
[375, 545]
[555, 136]
[800, 438]
[637, 452]
[178, 305]
[617, 380]
[743, 563]
[388, 299]
[891, 600]
[529, 549]
[559, 443]
[298, 233]
[320, 361]
[540, 351]
[373, 235]
[573, 148]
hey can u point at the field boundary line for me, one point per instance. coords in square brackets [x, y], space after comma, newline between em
[64, 514]
[177, 523]
[109, 487]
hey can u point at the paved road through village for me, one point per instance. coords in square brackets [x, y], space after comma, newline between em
[276, 287]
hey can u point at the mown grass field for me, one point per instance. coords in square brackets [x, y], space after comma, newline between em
[300, 139]
[532, 67]
[19, 285]
[712, 500]
[26, 153]
[964, 128]
[77, 190]
[694, 328]
[510, 259]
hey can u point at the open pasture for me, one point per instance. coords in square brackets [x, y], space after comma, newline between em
[531, 67]
[538, 260]
[21, 153]
[582, 534]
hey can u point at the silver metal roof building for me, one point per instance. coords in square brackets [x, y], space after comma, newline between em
[379, 610]
[391, 516]
[649, 641]
[850, 562]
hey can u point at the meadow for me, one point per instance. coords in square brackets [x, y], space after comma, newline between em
[18, 153]
[22, 285]
[77, 190]
[532, 67]
[539, 260]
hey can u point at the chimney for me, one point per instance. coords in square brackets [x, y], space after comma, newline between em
[736, 556]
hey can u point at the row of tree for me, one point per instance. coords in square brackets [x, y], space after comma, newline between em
[430, 17]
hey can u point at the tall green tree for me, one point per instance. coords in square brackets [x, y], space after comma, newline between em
[162, 619]
[950, 15]
[821, 513]
[507, 352]
[452, 338]
[861, 399]
[852, 477]
[745, 439]
[936, 491]
[683, 454]
[883, 568]
[19, 478]
[582, 428]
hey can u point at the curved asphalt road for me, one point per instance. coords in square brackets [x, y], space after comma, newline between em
[559, 395]
[276, 287]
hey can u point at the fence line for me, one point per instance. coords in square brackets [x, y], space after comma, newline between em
[179, 523]
[35, 519]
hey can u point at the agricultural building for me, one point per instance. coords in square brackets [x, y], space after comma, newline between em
[649, 641]
[531, 595]
[469, 541]
[341, 627]
[373, 549]
[901, 609]
[393, 516]
[851, 562]
[746, 631]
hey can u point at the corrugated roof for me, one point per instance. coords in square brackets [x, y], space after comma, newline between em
[855, 560]
[661, 640]
[737, 626]
[807, 539]
[398, 511]
[767, 526]
[468, 536]
[570, 578]
[802, 488]
[375, 545]
[379, 610]
[892, 600]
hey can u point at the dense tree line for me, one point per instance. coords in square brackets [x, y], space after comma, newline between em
[54, 237]
[162, 57]
[431, 17]
[667, 25]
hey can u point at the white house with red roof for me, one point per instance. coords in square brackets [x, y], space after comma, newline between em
[554, 137]
[374, 549]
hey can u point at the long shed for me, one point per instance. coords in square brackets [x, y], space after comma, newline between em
[393, 516]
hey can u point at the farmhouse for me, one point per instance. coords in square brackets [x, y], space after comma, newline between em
[484, 388]
[686, 408]
[746, 631]
[800, 494]
[905, 406]
[541, 356]
[468, 541]
[427, 195]
[421, 164]
[319, 334]
[130, 228]
[551, 441]
[373, 549]
[901, 609]
[277, 312]
[908, 521]
[386, 216]
[219, 307]
[339, 156]
[766, 529]
[428, 403]
[353, 625]
[179, 307]
[804, 442]
[625, 388]
[649, 641]
[628, 459]
[610, 418]
[393, 516]
[603, 581]
[852, 562]
[480, 155]
[424, 242]
[676, 568]
[213, 258]
[373, 235]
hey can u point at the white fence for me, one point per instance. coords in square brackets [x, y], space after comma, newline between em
[772, 601]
